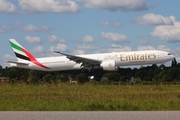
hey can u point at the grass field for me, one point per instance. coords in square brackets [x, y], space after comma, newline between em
[89, 97]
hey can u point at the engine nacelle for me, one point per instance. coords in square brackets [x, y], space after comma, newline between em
[109, 65]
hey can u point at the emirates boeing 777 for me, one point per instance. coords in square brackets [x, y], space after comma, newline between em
[106, 61]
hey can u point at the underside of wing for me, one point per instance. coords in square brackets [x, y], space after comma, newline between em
[78, 59]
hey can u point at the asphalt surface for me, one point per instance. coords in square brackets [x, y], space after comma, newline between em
[94, 115]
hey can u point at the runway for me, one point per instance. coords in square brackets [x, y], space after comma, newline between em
[91, 115]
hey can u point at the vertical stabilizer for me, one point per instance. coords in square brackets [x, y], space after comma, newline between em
[19, 51]
[23, 55]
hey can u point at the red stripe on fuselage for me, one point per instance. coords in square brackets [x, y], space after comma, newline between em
[33, 59]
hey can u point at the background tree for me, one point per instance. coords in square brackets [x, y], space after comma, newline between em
[34, 77]
[58, 77]
[174, 63]
[141, 73]
[112, 76]
[105, 81]
[82, 78]
[1, 71]
[65, 78]
[150, 73]
[48, 78]
[174, 72]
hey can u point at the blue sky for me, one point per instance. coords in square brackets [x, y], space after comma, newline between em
[89, 26]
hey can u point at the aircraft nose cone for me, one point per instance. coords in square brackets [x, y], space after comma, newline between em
[172, 57]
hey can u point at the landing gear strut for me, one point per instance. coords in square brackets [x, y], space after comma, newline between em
[162, 66]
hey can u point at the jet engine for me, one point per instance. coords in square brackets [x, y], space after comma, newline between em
[109, 65]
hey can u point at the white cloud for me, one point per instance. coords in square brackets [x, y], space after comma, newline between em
[88, 39]
[145, 48]
[55, 39]
[152, 19]
[32, 28]
[19, 26]
[44, 28]
[113, 5]
[106, 23]
[38, 49]
[33, 39]
[116, 46]
[7, 7]
[60, 47]
[160, 47]
[144, 40]
[168, 32]
[78, 52]
[52, 38]
[55, 6]
[115, 37]
[178, 59]
[8, 57]
[5, 28]
[176, 53]
[118, 49]
[164, 48]
[86, 47]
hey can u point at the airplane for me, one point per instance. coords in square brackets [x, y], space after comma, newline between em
[106, 61]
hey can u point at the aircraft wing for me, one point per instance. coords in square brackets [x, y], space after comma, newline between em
[17, 62]
[83, 60]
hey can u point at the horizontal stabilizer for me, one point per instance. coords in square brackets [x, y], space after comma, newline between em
[18, 62]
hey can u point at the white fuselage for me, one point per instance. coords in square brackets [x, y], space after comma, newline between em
[121, 59]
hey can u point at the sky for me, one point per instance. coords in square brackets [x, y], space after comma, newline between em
[89, 26]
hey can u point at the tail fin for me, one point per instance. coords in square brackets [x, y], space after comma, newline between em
[22, 54]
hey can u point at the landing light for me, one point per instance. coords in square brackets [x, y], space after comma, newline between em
[91, 77]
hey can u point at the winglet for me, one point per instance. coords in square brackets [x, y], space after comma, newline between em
[57, 52]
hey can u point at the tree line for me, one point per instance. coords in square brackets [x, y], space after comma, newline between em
[153, 74]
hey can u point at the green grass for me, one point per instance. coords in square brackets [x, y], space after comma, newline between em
[89, 97]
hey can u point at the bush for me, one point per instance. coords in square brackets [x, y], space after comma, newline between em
[82, 78]
[105, 81]
[112, 76]
[48, 78]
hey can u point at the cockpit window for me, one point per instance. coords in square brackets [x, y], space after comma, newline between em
[169, 53]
